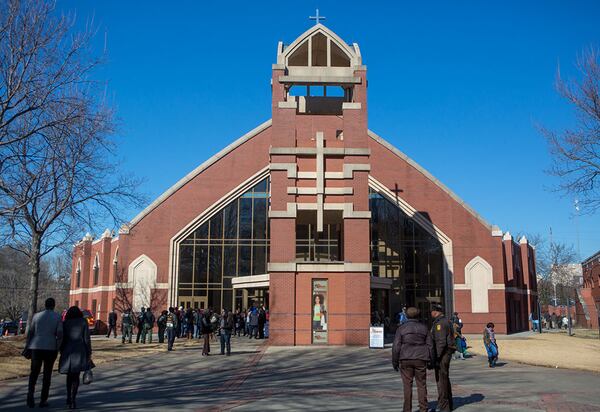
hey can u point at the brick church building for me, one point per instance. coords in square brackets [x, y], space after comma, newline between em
[315, 216]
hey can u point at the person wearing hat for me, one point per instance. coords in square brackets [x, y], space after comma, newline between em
[444, 346]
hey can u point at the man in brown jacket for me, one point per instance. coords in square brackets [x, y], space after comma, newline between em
[411, 353]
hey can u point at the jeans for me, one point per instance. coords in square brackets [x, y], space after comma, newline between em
[225, 341]
[39, 358]
[170, 338]
[147, 332]
[127, 332]
[196, 331]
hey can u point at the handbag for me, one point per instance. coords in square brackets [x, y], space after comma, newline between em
[88, 377]
[26, 353]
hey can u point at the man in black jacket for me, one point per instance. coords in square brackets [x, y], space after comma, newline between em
[411, 353]
[112, 323]
[140, 324]
[444, 346]
[148, 326]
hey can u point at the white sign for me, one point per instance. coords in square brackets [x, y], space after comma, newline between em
[376, 337]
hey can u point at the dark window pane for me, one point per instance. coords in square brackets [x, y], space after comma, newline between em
[200, 262]
[215, 270]
[186, 260]
[244, 261]
[230, 260]
[260, 219]
[185, 292]
[214, 300]
[262, 186]
[202, 232]
[245, 218]
[199, 292]
[231, 213]
[258, 261]
[228, 299]
[216, 226]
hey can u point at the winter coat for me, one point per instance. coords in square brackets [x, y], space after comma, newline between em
[412, 342]
[76, 348]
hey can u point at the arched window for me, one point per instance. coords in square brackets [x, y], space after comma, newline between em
[96, 269]
[78, 274]
[406, 253]
[233, 242]
[324, 52]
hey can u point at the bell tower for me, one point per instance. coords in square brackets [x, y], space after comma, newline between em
[319, 263]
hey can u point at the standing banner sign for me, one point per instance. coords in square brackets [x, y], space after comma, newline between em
[376, 337]
[319, 311]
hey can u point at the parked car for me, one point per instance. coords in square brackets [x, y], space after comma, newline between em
[9, 327]
[88, 316]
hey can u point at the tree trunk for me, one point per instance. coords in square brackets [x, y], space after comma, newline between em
[34, 267]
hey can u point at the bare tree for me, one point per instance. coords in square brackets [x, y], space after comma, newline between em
[555, 270]
[576, 152]
[148, 292]
[57, 163]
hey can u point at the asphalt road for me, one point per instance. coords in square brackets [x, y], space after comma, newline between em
[259, 377]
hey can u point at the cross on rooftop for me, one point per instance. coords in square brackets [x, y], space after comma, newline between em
[317, 17]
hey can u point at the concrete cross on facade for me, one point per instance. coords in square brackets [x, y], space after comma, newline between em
[317, 17]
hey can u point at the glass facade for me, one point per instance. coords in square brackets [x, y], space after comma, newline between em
[403, 251]
[233, 242]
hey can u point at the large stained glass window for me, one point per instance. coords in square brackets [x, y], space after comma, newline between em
[404, 252]
[233, 242]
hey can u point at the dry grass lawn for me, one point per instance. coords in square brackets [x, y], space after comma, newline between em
[13, 365]
[555, 350]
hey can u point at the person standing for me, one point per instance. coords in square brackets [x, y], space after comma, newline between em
[75, 352]
[254, 323]
[148, 326]
[226, 326]
[262, 319]
[444, 346]
[162, 325]
[491, 347]
[140, 324]
[411, 352]
[112, 324]
[171, 328]
[206, 331]
[127, 325]
[43, 339]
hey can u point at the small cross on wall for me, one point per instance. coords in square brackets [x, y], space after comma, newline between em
[317, 17]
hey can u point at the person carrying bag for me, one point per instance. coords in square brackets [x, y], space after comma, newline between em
[75, 353]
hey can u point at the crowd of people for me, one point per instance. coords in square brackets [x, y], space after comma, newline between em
[50, 335]
[180, 323]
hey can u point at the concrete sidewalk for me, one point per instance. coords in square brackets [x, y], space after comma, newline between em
[258, 377]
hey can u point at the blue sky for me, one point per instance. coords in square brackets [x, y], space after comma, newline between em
[467, 81]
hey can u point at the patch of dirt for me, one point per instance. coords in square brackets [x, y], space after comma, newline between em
[8, 349]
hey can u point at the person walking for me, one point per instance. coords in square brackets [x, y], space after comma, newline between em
[443, 347]
[43, 340]
[254, 323]
[140, 324]
[127, 325]
[148, 326]
[491, 347]
[206, 332]
[162, 325]
[112, 323]
[75, 352]
[226, 326]
[171, 324]
[411, 353]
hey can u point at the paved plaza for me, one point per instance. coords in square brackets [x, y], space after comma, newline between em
[259, 377]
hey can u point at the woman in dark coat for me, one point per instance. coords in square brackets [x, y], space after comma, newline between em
[75, 352]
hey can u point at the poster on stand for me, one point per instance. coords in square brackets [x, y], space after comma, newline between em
[376, 337]
[319, 311]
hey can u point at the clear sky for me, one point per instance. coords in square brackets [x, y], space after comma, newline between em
[458, 86]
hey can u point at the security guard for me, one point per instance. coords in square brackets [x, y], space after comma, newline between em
[444, 346]
[127, 325]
